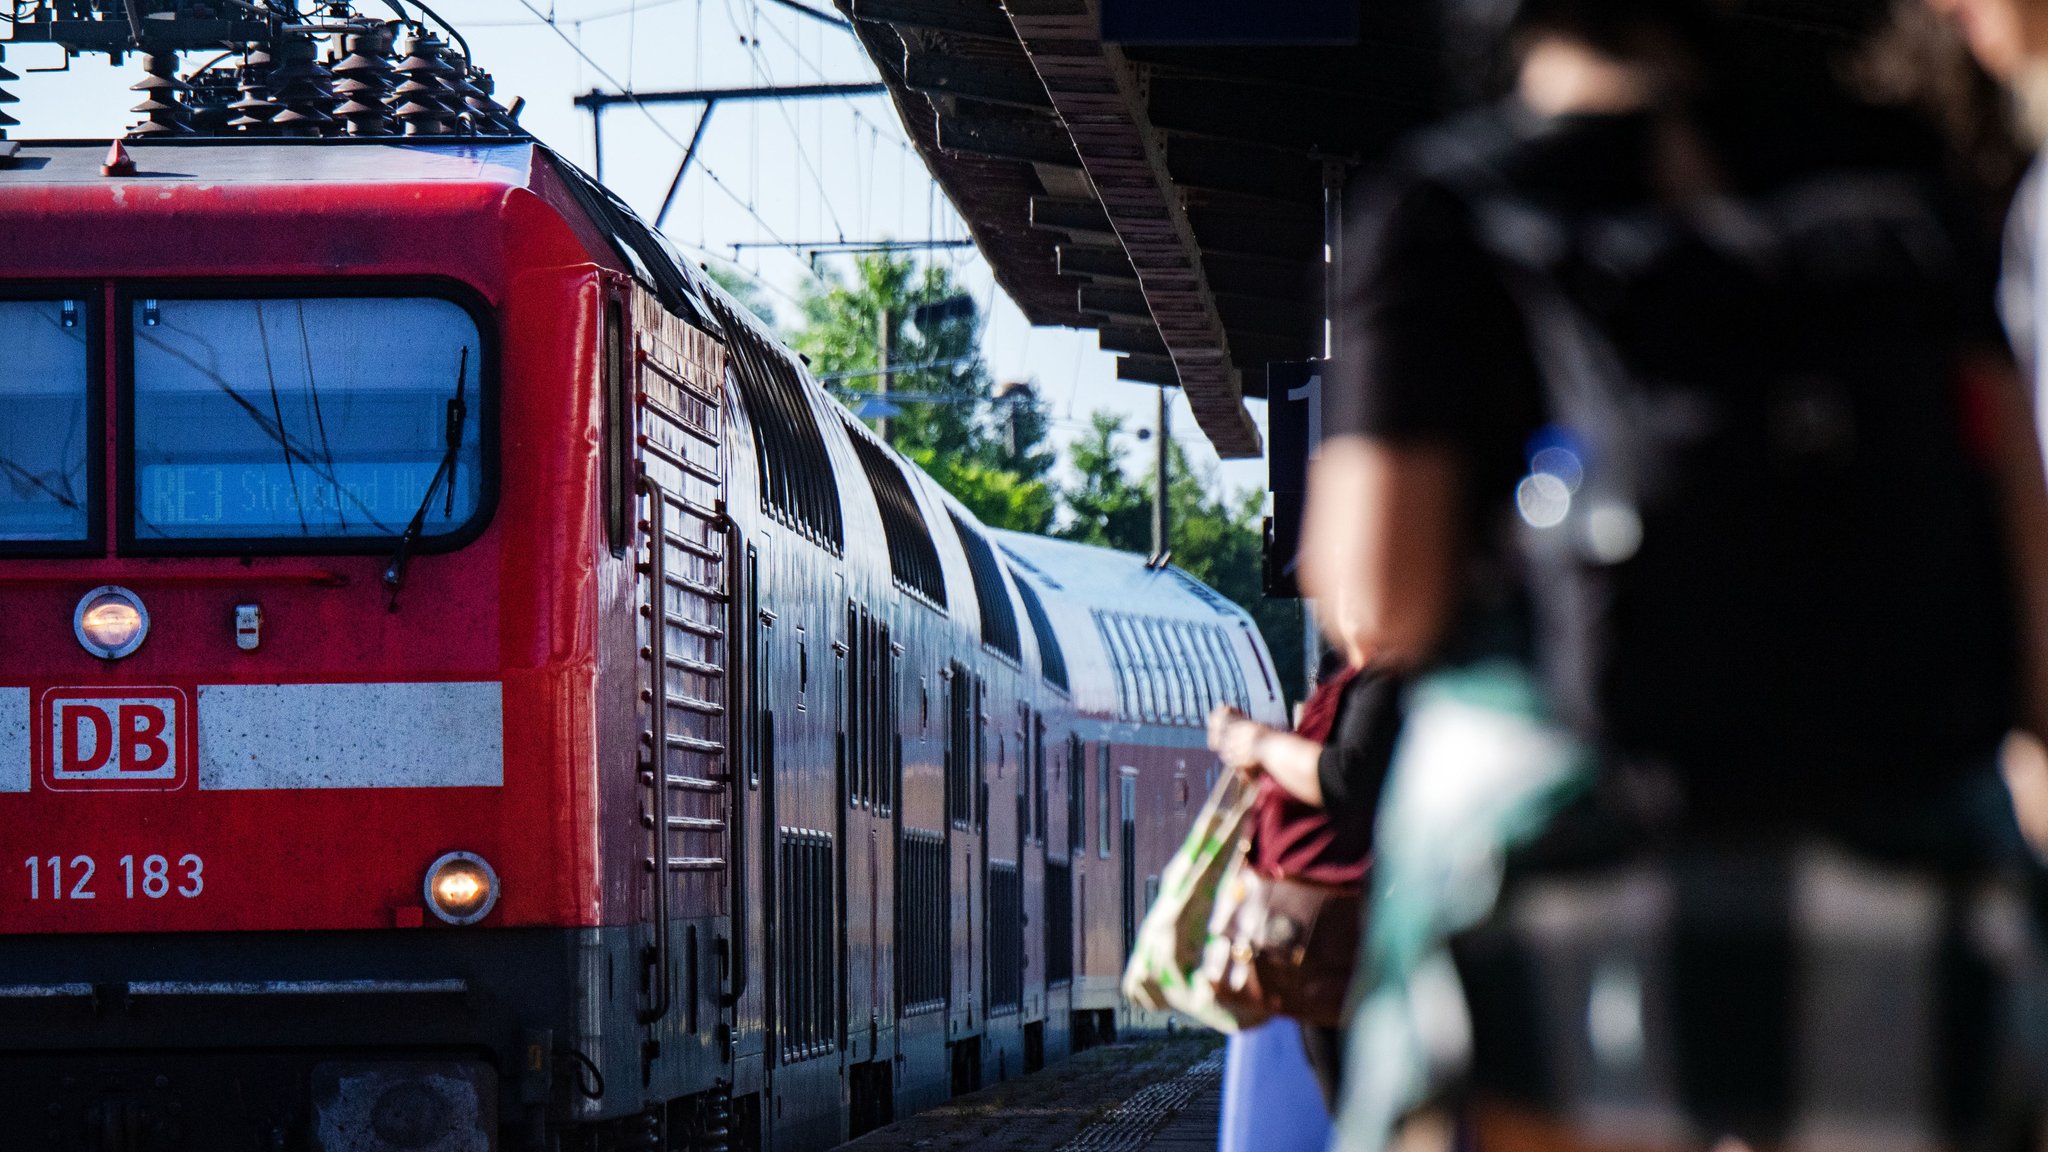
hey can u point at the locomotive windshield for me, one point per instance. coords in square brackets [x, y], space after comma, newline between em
[318, 418]
[45, 413]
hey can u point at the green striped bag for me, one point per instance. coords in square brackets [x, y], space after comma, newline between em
[1166, 962]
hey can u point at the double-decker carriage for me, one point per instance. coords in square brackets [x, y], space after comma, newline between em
[463, 685]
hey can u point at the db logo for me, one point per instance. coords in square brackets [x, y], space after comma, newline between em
[115, 739]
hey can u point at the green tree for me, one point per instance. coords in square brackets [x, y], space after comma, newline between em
[1107, 507]
[990, 452]
[1217, 541]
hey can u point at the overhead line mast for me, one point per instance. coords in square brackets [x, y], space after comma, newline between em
[595, 102]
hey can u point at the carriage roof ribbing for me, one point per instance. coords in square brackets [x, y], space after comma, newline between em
[1148, 645]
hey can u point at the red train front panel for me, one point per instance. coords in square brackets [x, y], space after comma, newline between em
[292, 744]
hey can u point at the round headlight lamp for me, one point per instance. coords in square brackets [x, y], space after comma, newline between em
[461, 888]
[110, 622]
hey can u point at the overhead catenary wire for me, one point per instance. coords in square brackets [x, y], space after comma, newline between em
[761, 73]
[753, 277]
[821, 17]
[945, 223]
[627, 95]
[654, 120]
[901, 142]
[906, 369]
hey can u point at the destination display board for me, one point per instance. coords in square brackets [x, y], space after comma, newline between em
[1294, 419]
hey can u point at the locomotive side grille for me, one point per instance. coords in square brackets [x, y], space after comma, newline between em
[1005, 937]
[675, 437]
[683, 594]
[805, 961]
[1059, 922]
[921, 959]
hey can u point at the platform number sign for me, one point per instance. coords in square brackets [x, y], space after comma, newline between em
[1294, 422]
[122, 739]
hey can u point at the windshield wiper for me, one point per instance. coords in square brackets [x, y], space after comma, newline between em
[458, 414]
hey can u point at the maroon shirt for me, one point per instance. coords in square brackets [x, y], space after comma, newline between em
[1300, 841]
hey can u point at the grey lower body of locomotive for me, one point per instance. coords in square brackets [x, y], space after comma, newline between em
[394, 1041]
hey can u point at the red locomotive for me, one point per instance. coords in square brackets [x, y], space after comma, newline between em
[463, 685]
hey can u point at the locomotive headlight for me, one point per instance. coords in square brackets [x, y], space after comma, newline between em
[461, 888]
[110, 622]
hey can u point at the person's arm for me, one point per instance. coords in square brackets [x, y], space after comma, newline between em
[1252, 749]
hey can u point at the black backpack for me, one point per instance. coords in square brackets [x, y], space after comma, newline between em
[1759, 540]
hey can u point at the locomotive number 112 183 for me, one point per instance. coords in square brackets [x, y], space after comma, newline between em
[151, 877]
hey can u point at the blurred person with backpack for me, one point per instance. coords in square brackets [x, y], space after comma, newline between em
[1679, 464]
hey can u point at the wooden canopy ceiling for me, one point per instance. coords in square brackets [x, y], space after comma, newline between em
[1171, 198]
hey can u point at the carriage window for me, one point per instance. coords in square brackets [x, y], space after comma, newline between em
[998, 619]
[1102, 799]
[1052, 662]
[318, 419]
[45, 414]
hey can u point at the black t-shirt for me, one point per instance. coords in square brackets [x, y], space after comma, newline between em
[1434, 349]
[1360, 748]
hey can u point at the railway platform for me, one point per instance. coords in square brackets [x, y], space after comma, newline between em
[1156, 1094]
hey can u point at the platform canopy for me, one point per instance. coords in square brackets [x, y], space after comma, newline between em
[1174, 197]
[1171, 198]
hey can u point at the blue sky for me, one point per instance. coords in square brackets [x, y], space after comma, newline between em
[766, 173]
